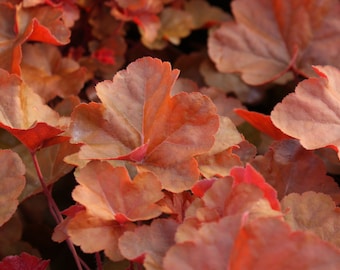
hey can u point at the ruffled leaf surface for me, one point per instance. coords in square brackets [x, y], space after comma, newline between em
[108, 192]
[148, 244]
[289, 168]
[19, 24]
[313, 212]
[268, 38]
[311, 114]
[137, 110]
[24, 115]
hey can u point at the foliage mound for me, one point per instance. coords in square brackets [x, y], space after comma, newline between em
[177, 134]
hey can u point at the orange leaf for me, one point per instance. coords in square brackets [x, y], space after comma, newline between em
[206, 247]
[23, 114]
[225, 197]
[251, 176]
[12, 182]
[202, 186]
[219, 160]
[263, 123]
[47, 25]
[225, 105]
[229, 83]
[269, 243]
[143, 13]
[60, 231]
[41, 23]
[108, 193]
[34, 137]
[175, 204]
[10, 52]
[262, 44]
[288, 167]
[70, 10]
[153, 242]
[49, 74]
[137, 110]
[311, 114]
[315, 212]
[93, 234]
[218, 164]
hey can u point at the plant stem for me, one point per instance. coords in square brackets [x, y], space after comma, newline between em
[55, 210]
[99, 261]
[51, 203]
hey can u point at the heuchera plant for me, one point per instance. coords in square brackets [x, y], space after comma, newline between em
[174, 134]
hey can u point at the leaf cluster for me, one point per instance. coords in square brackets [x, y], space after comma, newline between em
[168, 151]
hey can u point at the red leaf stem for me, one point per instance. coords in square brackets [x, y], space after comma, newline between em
[55, 211]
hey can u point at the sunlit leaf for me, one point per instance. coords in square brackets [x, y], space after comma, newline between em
[220, 159]
[137, 110]
[24, 115]
[209, 246]
[251, 176]
[312, 113]
[262, 44]
[269, 243]
[153, 242]
[109, 193]
[103, 234]
[18, 24]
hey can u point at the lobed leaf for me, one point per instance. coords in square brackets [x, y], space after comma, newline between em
[269, 243]
[289, 168]
[207, 249]
[312, 113]
[175, 204]
[143, 13]
[263, 43]
[219, 159]
[149, 244]
[103, 234]
[19, 24]
[137, 110]
[108, 192]
[23, 114]
[313, 212]
[251, 176]
[222, 197]
[45, 22]
[49, 74]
